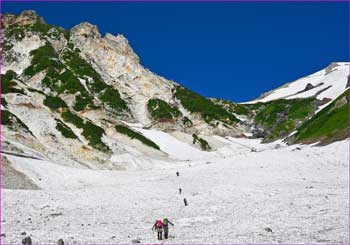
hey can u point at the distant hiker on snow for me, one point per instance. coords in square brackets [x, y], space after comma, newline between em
[158, 227]
[177, 174]
[180, 190]
[185, 202]
[166, 223]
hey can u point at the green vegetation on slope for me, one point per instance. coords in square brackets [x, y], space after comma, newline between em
[83, 69]
[281, 117]
[95, 83]
[209, 111]
[3, 102]
[84, 102]
[13, 122]
[72, 118]
[232, 107]
[135, 135]
[65, 130]
[159, 109]
[106, 93]
[202, 142]
[111, 97]
[59, 78]
[18, 32]
[42, 58]
[54, 103]
[328, 125]
[64, 71]
[33, 90]
[7, 83]
[12, 32]
[91, 132]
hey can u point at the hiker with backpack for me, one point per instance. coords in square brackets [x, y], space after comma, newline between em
[166, 223]
[185, 202]
[158, 227]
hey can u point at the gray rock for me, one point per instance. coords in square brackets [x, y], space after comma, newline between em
[308, 87]
[268, 229]
[136, 241]
[60, 241]
[27, 240]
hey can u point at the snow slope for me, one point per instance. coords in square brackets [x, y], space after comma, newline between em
[299, 193]
[328, 83]
[174, 147]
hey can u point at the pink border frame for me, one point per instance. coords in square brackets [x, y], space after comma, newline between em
[170, 1]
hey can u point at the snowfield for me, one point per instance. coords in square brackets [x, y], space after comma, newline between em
[235, 195]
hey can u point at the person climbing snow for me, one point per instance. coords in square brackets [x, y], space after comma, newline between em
[166, 223]
[158, 227]
[180, 191]
[177, 174]
[185, 202]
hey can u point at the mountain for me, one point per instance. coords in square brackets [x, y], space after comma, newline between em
[286, 110]
[78, 98]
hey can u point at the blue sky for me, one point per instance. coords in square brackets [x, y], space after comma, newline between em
[234, 50]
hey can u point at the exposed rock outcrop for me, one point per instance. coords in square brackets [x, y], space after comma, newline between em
[26, 17]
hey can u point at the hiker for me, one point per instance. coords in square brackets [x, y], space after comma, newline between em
[185, 201]
[177, 174]
[158, 226]
[180, 190]
[166, 223]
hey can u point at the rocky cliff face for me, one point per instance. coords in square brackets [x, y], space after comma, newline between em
[27, 17]
[113, 58]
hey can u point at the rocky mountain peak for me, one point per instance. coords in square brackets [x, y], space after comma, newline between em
[26, 17]
[86, 29]
[121, 43]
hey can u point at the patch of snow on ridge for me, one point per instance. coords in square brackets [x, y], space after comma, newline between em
[325, 85]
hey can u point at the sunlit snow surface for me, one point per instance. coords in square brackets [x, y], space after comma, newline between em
[233, 194]
[329, 84]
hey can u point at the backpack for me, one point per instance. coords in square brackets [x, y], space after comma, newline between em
[159, 224]
[165, 221]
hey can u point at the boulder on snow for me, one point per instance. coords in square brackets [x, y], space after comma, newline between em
[259, 133]
[27, 240]
[136, 241]
[268, 229]
[308, 87]
[60, 242]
